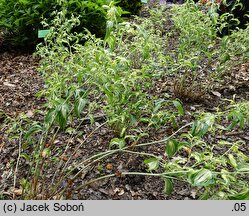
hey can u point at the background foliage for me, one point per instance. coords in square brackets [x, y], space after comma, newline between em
[21, 19]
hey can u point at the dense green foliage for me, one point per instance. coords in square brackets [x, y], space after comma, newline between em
[22, 19]
[235, 13]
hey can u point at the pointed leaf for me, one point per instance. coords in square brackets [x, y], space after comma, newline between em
[50, 117]
[64, 108]
[171, 147]
[62, 115]
[243, 167]
[34, 129]
[232, 160]
[168, 186]
[179, 107]
[79, 106]
[201, 178]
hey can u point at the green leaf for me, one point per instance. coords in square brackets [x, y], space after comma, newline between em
[24, 2]
[171, 147]
[243, 167]
[168, 186]
[197, 156]
[232, 161]
[32, 130]
[242, 120]
[204, 196]
[123, 131]
[227, 177]
[225, 58]
[152, 163]
[111, 40]
[201, 178]
[62, 115]
[61, 120]
[79, 106]
[199, 129]
[26, 156]
[117, 142]
[64, 108]
[50, 117]
[179, 107]
[242, 195]
[183, 144]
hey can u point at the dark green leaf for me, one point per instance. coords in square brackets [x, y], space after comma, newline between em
[79, 106]
[242, 195]
[34, 129]
[62, 115]
[171, 147]
[204, 196]
[50, 117]
[168, 186]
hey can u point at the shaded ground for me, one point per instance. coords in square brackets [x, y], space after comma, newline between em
[19, 82]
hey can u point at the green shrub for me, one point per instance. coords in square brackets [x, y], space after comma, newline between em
[132, 6]
[22, 19]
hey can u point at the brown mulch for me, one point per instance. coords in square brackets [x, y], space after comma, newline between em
[19, 82]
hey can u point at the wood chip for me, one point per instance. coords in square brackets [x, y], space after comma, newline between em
[216, 93]
[9, 84]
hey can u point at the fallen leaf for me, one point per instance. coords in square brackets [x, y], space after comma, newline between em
[64, 157]
[109, 166]
[118, 173]
[17, 192]
[29, 114]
